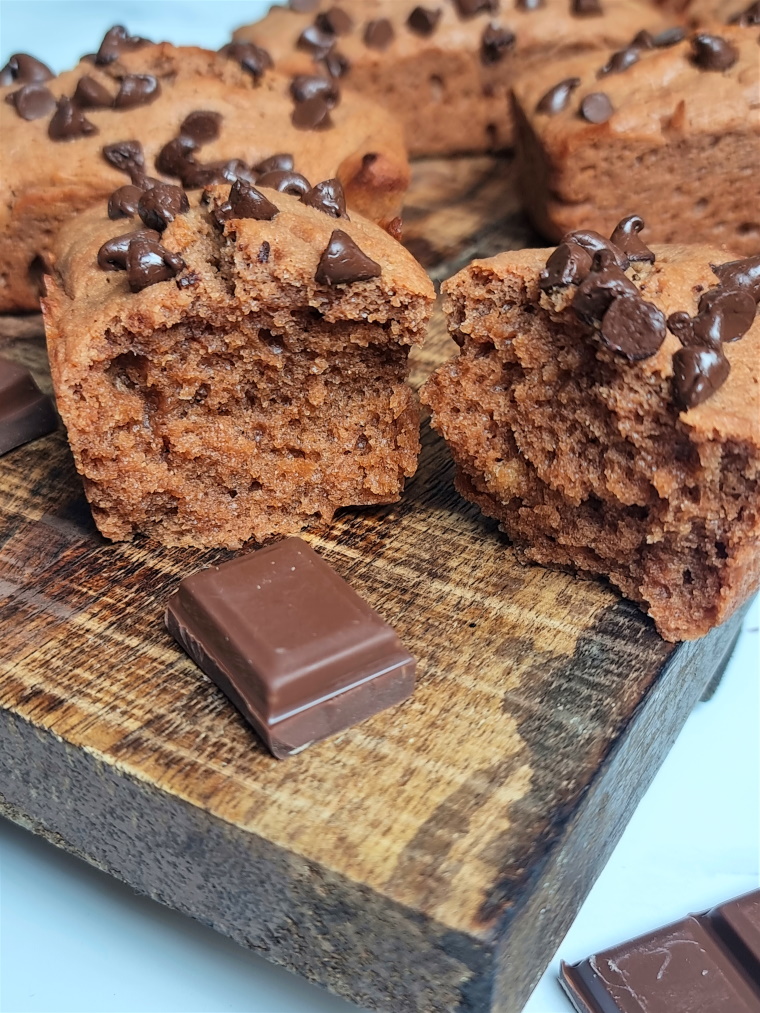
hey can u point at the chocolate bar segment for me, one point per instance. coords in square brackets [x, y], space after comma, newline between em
[25, 412]
[702, 964]
[297, 651]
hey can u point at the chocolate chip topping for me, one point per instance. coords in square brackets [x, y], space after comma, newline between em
[697, 374]
[148, 263]
[682, 326]
[112, 255]
[137, 90]
[249, 56]
[308, 86]
[557, 98]
[335, 63]
[161, 205]
[32, 101]
[626, 237]
[469, 8]
[176, 156]
[585, 8]
[633, 328]
[245, 201]
[285, 181]
[24, 69]
[123, 202]
[201, 127]
[316, 40]
[282, 162]
[620, 61]
[711, 52]
[529, 5]
[313, 114]
[724, 315]
[596, 108]
[568, 265]
[91, 94]
[126, 156]
[335, 21]
[424, 20]
[115, 42]
[69, 122]
[495, 43]
[594, 242]
[379, 34]
[740, 275]
[327, 196]
[601, 287]
[747, 18]
[670, 37]
[343, 262]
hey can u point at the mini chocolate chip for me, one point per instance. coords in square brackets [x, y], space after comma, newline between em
[697, 374]
[115, 42]
[711, 52]
[285, 182]
[557, 98]
[32, 101]
[343, 263]
[251, 57]
[126, 156]
[596, 108]
[148, 263]
[626, 237]
[91, 94]
[69, 122]
[670, 37]
[495, 43]
[568, 265]
[123, 202]
[469, 8]
[585, 8]
[740, 275]
[201, 127]
[605, 283]
[24, 69]
[188, 280]
[313, 114]
[529, 5]
[264, 250]
[308, 86]
[633, 328]
[379, 34]
[161, 205]
[327, 196]
[245, 201]
[335, 21]
[748, 17]
[112, 255]
[594, 242]
[682, 326]
[281, 162]
[316, 40]
[724, 315]
[620, 61]
[137, 90]
[424, 20]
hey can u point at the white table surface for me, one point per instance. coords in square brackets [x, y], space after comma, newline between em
[72, 940]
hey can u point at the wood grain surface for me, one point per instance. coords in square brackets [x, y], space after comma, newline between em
[429, 859]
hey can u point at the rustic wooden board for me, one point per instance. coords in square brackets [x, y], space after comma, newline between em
[430, 859]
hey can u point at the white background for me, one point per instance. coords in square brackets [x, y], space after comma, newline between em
[72, 940]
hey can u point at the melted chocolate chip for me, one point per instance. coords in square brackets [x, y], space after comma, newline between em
[137, 90]
[626, 237]
[620, 61]
[424, 20]
[197, 175]
[285, 182]
[343, 262]
[335, 63]
[123, 202]
[148, 263]
[250, 57]
[740, 275]
[335, 21]
[328, 197]
[316, 40]
[682, 326]
[245, 201]
[529, 5]
[643, 40]
[176, 157]
[126, 156]
[379, 34]
[557, 98]
[595, 243]
[115, 42]
[281, 162]
[596, 108]
[604, 284]
[711, 52]
[24, 69]
[308, 86]
[697, 374]
[749, 17]
[633, 328]
[69, 122]
[201, 127]
[313, 114]
[112, 255]
[724, 315]
[568, 265]
[670, 37]
[469, 8]
[585, 8]
[91, 94]
[495, 43]
[161, 205]
[32, 101]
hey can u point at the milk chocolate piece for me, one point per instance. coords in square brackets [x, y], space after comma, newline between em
[297, 651]
[704, 962]
[25, 412]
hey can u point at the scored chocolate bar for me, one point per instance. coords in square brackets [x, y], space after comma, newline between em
[298, 652]
[25, 412]
[706, 963]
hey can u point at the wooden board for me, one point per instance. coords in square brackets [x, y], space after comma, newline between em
[427, 860]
